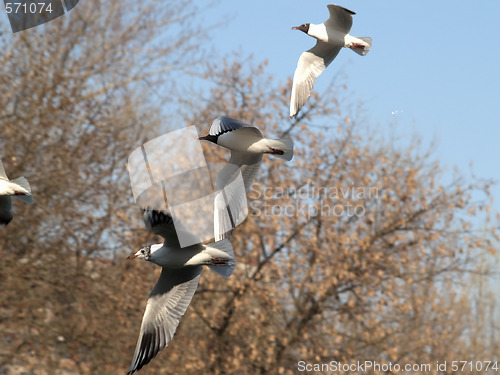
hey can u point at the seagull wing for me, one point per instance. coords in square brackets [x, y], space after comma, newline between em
[3, 175]
[166, 304]
[311, 64]
[250, 164]
[230, 203]
[20, 186]
[340, 18]
[23, 189]
[224, 124]
[162, 224]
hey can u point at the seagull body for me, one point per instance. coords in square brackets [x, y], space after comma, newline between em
[238, 136]
[181, 270]
[247, 145]
[19, 188]
[331, 36]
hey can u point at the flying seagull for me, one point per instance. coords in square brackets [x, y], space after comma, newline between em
[19, 188]
[247, 145]
[181, 269]
[331, 36]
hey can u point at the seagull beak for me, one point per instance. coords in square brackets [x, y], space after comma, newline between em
[132, 256]
[203, 138]
[296, 28]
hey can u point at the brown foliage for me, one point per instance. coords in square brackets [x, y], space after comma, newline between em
[373, 267]
[401, 279]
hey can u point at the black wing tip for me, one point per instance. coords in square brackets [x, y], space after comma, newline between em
[136, 367]
[157, 217]
[235, 124]
[147, 353]
[222, 128]
[341, 7]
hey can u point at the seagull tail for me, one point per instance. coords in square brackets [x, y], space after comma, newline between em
[23, 183]
[361, 45]
[283, 148]
[222, 249]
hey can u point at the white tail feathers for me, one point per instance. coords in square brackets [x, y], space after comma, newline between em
[23, 183]
[285, 145]
[361, 45]
[222, 249]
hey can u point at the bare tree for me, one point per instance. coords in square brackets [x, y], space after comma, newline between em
[77, 95]
[356, 250]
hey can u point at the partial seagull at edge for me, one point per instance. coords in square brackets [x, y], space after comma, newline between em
[172, 294]
[19, 188]
[331, 36]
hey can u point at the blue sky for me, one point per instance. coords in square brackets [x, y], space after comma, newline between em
[435, 63]
[433, 68]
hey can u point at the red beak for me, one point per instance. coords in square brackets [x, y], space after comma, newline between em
[132, 256]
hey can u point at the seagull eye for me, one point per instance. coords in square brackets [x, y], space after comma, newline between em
[142, 251]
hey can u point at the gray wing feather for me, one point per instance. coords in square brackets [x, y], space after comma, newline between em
[162, 224]
[230, 205]
[24, 184]
[167, 303]
[224, 124]
[249, 168]
[340, 18]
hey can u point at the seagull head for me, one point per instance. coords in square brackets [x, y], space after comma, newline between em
[210, 138]
[304, 27]
[145, 252]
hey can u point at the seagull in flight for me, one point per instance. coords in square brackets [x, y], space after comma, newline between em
[331, 36]
[247, 145]
[19, 188]
[181, 270]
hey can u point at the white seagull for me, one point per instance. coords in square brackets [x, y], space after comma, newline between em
[181, 269]
[19, 188]
[247, 145]
[331, 36]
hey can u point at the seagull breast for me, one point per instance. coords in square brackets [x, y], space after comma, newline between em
[244, 139]
[178, 257]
